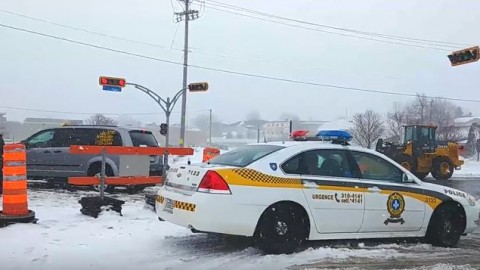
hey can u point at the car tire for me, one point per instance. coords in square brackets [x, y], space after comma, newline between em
[439, 167]
[281, 229]
[421, 175]
[446, 226]
[96, 170]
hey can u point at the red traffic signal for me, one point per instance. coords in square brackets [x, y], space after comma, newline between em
[198, 87]
[112, 81]
[464, 56]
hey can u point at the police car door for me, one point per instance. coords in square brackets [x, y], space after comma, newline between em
[390, 204]
[333, 195]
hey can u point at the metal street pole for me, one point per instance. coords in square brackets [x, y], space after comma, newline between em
[167, 107]
[185, 71]
[210, 129]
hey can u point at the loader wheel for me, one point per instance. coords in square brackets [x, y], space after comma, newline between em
[442, 168]
[407, 162]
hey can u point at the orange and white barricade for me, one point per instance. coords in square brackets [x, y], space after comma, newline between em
[15, 198]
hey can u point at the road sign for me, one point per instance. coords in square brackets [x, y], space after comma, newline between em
[112, 81]
[464, 56]
[198, 87]
[112, 88]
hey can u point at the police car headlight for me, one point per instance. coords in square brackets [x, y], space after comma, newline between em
[471, 200]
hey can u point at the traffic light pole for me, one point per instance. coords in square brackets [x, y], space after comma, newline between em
[167, 106]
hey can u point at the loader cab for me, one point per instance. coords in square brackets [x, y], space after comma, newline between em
[422, 139]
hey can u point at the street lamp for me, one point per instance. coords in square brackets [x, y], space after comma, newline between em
[116, 84]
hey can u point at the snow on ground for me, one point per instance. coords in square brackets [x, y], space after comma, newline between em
[470, 169]
[63, 238]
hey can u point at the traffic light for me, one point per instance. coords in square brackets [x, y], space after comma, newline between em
[198, 87]
[163, 129]
[111, 81]
[465, 56]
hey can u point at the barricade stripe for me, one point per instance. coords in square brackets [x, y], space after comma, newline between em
[15, 156]
[15, 209]
[14, 185]
[14, 171]
[16, 178]
[9, 199]
[7, 192]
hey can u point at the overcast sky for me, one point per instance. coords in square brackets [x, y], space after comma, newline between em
[41, 73]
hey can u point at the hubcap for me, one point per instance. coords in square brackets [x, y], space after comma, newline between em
[447, 227]
[445, 168]
[281, 228]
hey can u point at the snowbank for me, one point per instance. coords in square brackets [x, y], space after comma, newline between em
[471, 169]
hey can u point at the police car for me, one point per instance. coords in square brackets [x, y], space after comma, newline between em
[283, 193]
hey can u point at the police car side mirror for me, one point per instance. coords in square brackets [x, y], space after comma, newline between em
[407, 179]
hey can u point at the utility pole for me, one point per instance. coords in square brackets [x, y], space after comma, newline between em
[189, 15]
[210, 128]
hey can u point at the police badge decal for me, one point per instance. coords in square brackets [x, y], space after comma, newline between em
[395, 207]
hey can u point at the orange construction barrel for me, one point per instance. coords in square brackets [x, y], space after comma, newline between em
[15, 199]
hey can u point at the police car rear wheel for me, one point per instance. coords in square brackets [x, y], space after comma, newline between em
[445, 226]
[281, 229]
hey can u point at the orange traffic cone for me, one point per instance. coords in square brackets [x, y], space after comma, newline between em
[15, 199]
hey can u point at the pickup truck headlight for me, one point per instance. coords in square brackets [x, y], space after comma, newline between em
[471, 200]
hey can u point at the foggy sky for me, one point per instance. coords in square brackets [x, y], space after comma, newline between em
[46, 74]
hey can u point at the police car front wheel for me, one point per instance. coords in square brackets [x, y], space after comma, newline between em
[446, 226]
[281, 229]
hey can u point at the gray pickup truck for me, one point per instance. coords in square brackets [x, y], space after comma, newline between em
[48, 155]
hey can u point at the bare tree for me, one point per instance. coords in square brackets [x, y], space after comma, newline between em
[368, 127]
[100, 119]
[395, 122]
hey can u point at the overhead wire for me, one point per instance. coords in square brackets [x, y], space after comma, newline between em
[394, 37]
[226, 71]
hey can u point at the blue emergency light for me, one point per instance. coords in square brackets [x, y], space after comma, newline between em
[334, 135]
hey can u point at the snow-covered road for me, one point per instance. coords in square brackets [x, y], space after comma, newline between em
[63, 238]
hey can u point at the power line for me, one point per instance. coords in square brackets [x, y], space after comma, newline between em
[272, 78]
[395, 37]
[330, 32]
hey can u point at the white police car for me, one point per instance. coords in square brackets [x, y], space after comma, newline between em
[283, 193]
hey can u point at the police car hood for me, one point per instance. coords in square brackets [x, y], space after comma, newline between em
[455, 194]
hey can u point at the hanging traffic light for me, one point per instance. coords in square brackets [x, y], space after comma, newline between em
[112, 81]
[464, 56]
[163, 129]
[198, 87]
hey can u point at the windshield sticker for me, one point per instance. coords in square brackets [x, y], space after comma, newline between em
[105, 137]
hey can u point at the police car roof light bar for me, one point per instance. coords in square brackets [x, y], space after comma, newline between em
[335, 136]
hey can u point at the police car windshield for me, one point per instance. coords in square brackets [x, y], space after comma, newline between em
[243, 156]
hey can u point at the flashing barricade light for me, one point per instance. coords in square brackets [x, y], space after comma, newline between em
[111, 81]
[334, 135]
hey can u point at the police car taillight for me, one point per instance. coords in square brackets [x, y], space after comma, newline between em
[212, 182]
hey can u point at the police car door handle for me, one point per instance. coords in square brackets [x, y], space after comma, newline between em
[310, 185]
[374, 189]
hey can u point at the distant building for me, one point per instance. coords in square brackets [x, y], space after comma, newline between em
[280, 130]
